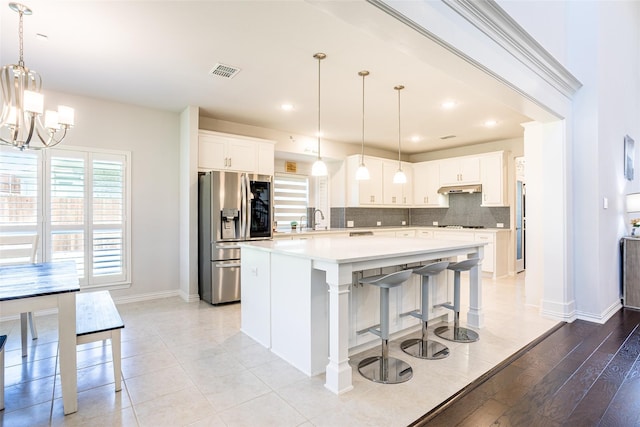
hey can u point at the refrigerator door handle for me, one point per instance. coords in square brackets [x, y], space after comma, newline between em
[249, 206]
[227, 264]
[243, 207]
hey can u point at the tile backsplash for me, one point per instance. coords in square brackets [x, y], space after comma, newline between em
[464, 209]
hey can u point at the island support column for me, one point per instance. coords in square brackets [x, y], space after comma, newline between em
[339, 373]
[475, 315]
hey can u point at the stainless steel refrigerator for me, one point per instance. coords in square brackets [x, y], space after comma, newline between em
[233, 207]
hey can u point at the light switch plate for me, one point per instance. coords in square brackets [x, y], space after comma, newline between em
[379, 223]
[500, 225]
[435, 223]
[349, 224]
[404, 222]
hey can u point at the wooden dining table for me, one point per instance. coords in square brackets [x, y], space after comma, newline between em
[33, 287]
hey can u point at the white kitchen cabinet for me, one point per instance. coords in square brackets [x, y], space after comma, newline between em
[495, 252]
[219, 151]
[364, 192]
[397, 194]
[426, 182]
[405, 233]
[460, 170]
[255, 275]
[424, 234]
[493, 173]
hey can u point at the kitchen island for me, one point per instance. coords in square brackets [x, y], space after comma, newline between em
[286, 306]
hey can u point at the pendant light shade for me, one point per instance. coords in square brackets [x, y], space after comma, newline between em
[399, 177]
[362, 173]
[319, 168]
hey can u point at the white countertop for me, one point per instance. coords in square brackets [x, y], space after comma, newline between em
[353, 249]
[281, 234]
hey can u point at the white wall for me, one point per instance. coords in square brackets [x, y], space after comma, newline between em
[152, 137]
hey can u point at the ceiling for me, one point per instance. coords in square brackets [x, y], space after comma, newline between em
[159, 54]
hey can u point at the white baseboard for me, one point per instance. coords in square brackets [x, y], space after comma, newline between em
[602, 317]
[145, 297]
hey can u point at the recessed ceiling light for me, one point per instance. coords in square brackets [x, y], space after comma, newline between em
[416, 138]
[286, 107]
[490, 123]
[319, 134]
[448, 105]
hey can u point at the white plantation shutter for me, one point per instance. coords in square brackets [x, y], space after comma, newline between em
[291, 195]
[78, 201]
[108, 216]
[66, 225]
[19, 191]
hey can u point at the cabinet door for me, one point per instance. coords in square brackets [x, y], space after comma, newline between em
[265, 159]
[212, 152]
[241, 156]
[426, 182]
[391, 192]
[491, 168]
[488, 262]
[469, 169]
[460, 170]
[370, 190]
[449, 171]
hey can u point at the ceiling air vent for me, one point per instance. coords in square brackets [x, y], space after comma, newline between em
[225, 71]
[447, 137]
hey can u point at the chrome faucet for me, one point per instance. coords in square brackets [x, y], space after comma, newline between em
[305, 220]
[314, 216]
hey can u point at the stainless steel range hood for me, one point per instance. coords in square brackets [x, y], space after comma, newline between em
[466, 188]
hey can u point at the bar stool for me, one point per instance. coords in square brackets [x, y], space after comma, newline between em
[458, 333]
[424, 348]
[385, 369]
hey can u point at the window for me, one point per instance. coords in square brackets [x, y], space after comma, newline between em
[82, 198]
[291, 195]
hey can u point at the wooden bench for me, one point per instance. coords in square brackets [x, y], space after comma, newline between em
[97, 319]
[3, 339]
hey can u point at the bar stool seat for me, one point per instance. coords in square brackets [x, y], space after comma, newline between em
[458, 333]
[385, 369]
[424, 348]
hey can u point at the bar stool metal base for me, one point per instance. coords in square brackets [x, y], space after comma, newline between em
[425, 349]
[458, 334]
[394, 371]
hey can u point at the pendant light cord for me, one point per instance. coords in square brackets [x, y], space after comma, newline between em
[399, 88]
[320, 58]
[363, 73]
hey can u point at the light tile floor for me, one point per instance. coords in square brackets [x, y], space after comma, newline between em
[189, 364]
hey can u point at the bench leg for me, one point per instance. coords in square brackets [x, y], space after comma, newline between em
[23, 333]
[116, 355]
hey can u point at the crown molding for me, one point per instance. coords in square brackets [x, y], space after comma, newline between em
[488, 17]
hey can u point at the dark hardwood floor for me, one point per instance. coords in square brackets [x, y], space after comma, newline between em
[582, 374]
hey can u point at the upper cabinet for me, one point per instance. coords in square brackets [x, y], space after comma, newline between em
[493, 173]
[426, 181]
[397, 194]
[460, 170]
[219, 151]
[364, 192]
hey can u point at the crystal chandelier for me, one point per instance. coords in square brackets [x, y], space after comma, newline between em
[23, 102]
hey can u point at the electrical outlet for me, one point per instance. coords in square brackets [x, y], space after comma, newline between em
[500, 225]
[435, 223]
[350, 224]
[379, 223]
[404, 222]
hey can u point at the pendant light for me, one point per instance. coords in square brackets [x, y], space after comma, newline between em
[362, 173]
[399, 177]
[319, 168]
